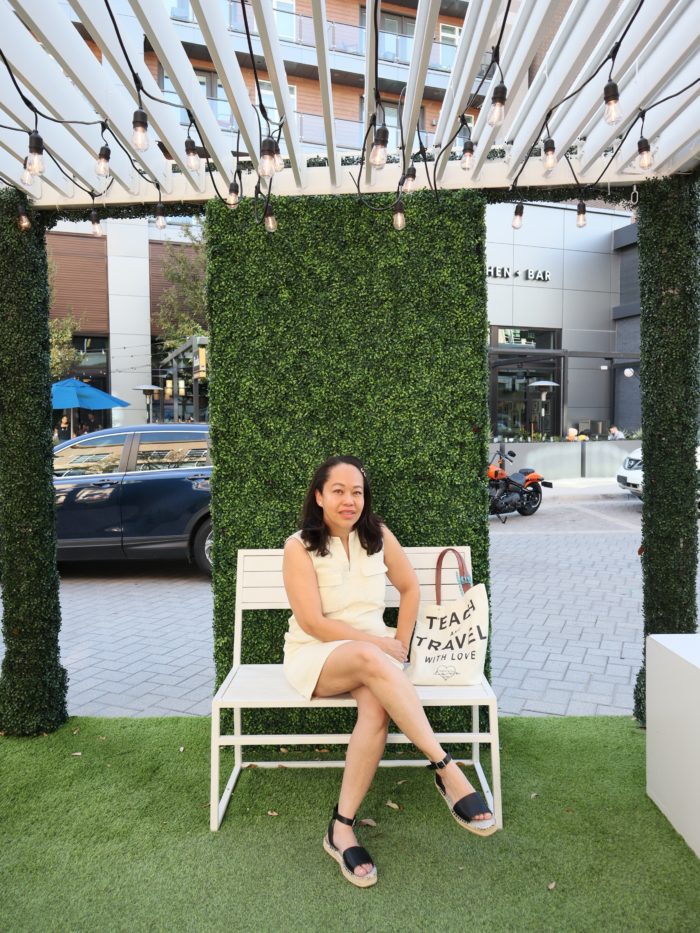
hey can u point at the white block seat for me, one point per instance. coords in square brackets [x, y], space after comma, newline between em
[264, 686]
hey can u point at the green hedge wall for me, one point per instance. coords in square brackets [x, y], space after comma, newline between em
[669, 278]
[338, 334]
[33, 683]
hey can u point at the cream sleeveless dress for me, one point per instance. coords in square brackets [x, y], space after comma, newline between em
[352, 590]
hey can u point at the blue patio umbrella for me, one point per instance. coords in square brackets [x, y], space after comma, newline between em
[72, 393]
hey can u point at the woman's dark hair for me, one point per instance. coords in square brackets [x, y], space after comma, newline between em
[314, 531]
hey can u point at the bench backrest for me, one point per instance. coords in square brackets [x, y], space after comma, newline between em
[259, 582]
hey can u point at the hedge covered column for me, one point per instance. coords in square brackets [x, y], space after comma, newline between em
[670, 304]
[339, 335]
[33, 683]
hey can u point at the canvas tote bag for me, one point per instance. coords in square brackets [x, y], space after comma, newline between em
[449, 640]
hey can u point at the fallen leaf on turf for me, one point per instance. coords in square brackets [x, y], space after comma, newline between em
[252, 765]
[284, 750]
[101, 738]
[76, 731]
[551, 886]
[394, 806]
[182, 748]
[272, 813]
[366, 822]
[532, 796]
[568, 809]
[76, 754]
[321, 751]
[399, 783]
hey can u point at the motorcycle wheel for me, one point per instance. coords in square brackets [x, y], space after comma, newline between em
[534, 501]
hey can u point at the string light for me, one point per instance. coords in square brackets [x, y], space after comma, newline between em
[95, 221]
[270, 219]
[377, 156]
[467, 155]
[139, 137]
[266, 165]
[497, 112]
[279, 161]
[550, 154]
[611, 96]
[35, 160]
[518, 216]
[646, 159]
[22, 219]
[161, 222]
[399, 219]
[102, 164]
[233, 195]
[581, 214]
[193, 160]
[409, 180]
[26, 178]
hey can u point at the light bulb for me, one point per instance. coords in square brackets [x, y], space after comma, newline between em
[95, 221]
[581, 214]
[399, 217]
[377, 156]
[498, 105]
[22, 219]
[233, 195]
[279, 161]
[193, 160]
[518, 216]
[161, 222]
[102, 164]
[35, 159]
[266, 165]
[611, 96]
[409, 180]
[628, 373]
[467, 155]
[26, 177]
[550, 154]
[139, 137]
[646, 159]
[270, 220]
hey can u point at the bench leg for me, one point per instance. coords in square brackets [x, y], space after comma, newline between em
[495, 764]
[215, 767]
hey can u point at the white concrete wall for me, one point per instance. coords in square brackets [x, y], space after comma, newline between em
[579, 297]
[129, 316]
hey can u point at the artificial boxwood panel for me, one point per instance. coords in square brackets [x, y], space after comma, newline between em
[339, 335]
[669, 280]
[33, 683]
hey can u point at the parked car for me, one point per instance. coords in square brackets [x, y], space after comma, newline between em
[141, 491]
[630, 476]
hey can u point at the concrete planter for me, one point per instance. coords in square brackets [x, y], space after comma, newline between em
[571, 459]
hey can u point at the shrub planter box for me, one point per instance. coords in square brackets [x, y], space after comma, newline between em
[570, 459]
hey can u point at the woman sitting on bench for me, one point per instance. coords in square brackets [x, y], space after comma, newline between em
[334, 574]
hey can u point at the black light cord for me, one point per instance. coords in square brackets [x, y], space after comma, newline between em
[134, 75]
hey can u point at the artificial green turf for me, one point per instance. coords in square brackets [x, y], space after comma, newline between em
[118, 839]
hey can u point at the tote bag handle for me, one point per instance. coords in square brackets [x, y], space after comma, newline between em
[463, 576]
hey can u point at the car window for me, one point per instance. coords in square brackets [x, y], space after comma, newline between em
[172, 450]
[90, 457]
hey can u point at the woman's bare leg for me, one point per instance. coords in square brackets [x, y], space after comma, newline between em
[359, 663]
[364, 754]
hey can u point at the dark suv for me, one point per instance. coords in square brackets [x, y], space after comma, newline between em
[141, 491]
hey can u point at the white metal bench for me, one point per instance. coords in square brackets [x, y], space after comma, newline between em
[263, 686]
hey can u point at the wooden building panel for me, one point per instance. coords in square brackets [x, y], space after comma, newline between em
[79, 272]
[157, 280]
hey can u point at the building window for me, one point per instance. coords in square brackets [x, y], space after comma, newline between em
[213, 91]
[395, 36]
[268, 99]
[391, 118]
[449, 37]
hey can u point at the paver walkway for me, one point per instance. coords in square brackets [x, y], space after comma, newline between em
[566, 591]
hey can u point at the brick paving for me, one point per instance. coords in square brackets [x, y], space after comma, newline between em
[136, 639]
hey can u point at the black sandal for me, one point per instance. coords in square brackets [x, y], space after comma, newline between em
[352, 857]
[466, 808]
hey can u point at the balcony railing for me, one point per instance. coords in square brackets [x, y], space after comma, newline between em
[342, 37]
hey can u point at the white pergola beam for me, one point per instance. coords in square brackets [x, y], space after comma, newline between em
[324, 79]
[162, 118]
[426, 18]
[587, 107]
[686, 128]
[60, 37]
[277, 74]
[563, 63]
[641, 88]
[478, 24]
[45, 84]
[525, 38]
[216, 34]
[158, 28]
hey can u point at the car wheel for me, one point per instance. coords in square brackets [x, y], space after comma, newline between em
[534, 500]
[202, 545]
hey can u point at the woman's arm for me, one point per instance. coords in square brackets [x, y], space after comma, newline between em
[305, 600]
[403, 577]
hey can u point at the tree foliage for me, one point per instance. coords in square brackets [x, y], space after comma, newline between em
[65, 357]
[183, 305]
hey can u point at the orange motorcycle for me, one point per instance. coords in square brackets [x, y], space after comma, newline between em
[515, 492]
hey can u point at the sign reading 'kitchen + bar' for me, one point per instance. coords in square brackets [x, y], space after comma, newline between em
[530, 275]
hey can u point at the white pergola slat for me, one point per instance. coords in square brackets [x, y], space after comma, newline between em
[60, 37]
[267, 29]
[63, 76]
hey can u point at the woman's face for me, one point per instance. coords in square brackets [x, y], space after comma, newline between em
[64, 422]
[342, 498]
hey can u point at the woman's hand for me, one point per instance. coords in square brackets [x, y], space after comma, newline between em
[394, 648]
